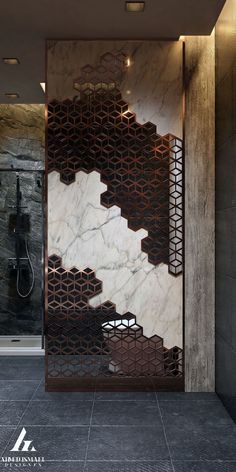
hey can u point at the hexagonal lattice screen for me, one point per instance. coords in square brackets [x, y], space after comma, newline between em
[142, 170]
[83, 341]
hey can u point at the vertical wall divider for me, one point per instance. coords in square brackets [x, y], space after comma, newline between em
[200, 214]
[90, 130]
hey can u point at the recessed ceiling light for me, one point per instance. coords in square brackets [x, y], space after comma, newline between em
[134, 7]
[43, 85]
[11, 61]
[12, 95]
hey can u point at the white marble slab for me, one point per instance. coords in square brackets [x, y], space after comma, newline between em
[86, 234]
[152, 84]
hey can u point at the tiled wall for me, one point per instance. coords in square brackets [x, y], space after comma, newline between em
[226, 206]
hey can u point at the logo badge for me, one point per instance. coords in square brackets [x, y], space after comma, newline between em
[21, 444]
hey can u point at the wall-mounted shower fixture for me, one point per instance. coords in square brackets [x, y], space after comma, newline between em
[19, 225]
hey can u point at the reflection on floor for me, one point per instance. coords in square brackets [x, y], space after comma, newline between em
[111, 432]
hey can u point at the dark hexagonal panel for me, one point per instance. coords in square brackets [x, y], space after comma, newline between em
[83, 341]
[142, 170]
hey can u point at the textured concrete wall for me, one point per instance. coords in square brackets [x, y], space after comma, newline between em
[199, 214]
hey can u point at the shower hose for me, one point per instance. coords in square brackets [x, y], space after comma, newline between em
[25, 295]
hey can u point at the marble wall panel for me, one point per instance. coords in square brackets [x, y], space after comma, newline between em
[81, 230]
[152, 86]
[86, 234]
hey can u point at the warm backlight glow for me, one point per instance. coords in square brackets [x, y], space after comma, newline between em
[11, 61]
[12, 95]
[134, 7]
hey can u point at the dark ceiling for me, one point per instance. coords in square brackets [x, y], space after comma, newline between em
[25, 25]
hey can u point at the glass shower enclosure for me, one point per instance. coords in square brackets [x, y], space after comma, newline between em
[21, 261]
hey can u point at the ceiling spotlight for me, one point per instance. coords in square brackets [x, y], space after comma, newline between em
[134, 7]
[43, 85]
[12, 95]
[11, 61]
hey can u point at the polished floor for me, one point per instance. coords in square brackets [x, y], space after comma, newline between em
[111, 432]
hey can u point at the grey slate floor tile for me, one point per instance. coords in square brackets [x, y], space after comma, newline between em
[127, 443]
[5, 434]
[51, 466]
[212, 443]
[204, 466]
[17, 389]
[159, 466]
[126, 396]
[11, 412]
[57, 413]
[190, 414]
[126, 435]
[187, 396]
[65, 466]
[126, 413]
[21, 368]
[41, 395]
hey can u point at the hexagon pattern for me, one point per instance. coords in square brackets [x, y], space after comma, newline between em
[87, 341]
[142, 170]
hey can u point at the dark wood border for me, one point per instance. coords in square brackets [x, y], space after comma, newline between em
[115, 384]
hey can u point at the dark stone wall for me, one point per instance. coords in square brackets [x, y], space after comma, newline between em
[226, 207]
[22, 137]
[22, 150]
[17, 315]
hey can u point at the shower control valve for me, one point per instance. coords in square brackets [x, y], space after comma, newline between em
[15, 264]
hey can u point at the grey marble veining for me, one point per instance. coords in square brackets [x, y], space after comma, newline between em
[22, 137]
[152, 86]
[81, 230]
[86, 234]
